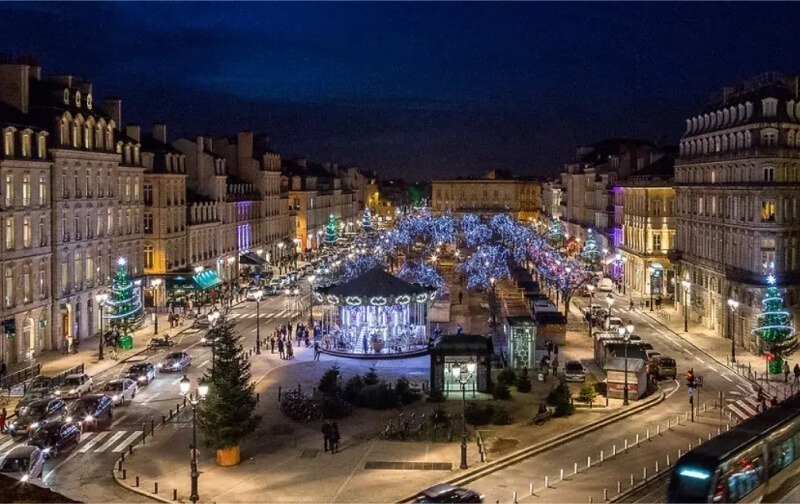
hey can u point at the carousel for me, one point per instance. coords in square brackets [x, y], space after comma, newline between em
[375, 314]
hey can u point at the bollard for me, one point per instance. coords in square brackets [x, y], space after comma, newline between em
[699, 441]
[601, 456]
[647, 436]
[155, 488]
[679, 453]
[631, 479]
[178, 406]
[184, 403]
[591, 499]
[170, 414]
[130, 449]
[667, 459]
[144, 432]
[690, 446]
[704, 407]
[637, 439]
[547, 481]
[719, 431]
[614, 451]
[174, 494]
[562, 475]
[605, 494]
[152, 426]
[258, 397]
[625, 448]
[686, 416]
[531, 488]
[669, 425]
[163, 420]
[119, 465]
[589, 461]
[124, 473]
[727, 427]
[279, 392]
[575, 468]
[515, 496]
[658, 429]
[656, 466]
[709, 436]
[644, 473]
[137, 481]
[677, 419]
[123, 457]
[619, 486]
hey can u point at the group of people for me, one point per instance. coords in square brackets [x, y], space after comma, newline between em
[786, 373]
[330, 432]
[283, 340]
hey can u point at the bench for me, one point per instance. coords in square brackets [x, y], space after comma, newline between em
[541, 418]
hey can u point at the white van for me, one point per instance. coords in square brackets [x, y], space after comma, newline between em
[606, 285]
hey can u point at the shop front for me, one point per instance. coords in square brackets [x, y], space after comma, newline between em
[468, 351]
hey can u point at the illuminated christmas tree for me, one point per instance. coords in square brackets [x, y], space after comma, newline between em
[774, 328]
[124, 305]
[591, 255]
[331, 231]
[366, 221]
[556, 237]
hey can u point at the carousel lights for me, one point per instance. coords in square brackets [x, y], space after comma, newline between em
[353, 300]
[333, 299]
[377, 301]
[403, 300]
[421, 298]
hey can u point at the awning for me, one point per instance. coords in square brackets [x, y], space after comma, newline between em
[251, 259]
[206, 279]
[180, 282]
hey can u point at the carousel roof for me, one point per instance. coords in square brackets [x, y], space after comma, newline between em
[375, 282]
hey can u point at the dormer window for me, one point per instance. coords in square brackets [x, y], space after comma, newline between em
[66, 97]
[770, 107]
[769, 137]
[77, 98]
[89, 101]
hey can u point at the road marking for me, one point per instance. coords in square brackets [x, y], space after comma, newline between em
[7, 444]
[150, 399]
[113, 439]
[712, 368]
[121, 447]
[701, 360]
[745, 405]
[88, 446]
[726, 377]
[204, 363]
[738, 412]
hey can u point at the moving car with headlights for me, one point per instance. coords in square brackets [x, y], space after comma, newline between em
[175, 362]
[23, 462]
[208, 339]
[75, 385]
[121, 390]
[33, 395]
[142, 373]
[445, 492]
[574, 371]
[36, 413]
[91, 410]
[252, 294]
[55, 437]
[605, 285]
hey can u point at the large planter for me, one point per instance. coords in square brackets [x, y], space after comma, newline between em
[377, 345]
[228, 457]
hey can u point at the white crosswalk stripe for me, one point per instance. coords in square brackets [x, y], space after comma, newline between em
[85, 447]
[108, 444]
[121, 447]
[91, 442]
[7, 444]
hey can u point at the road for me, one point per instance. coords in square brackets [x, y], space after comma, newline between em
[84, 473]
[590, 481]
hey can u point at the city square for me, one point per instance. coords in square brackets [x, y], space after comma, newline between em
[399, 252]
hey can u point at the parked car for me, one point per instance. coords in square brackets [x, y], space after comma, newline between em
[142, 373]
[41, 381]
[33, 395]
[651, 354]
[175, 362]
[56, 437]
[665, 368]
[91, 410]
[605, 285]
[253, 293]
[120, 390]
[35, 414]
[75, 385]
[445, 492]
[574, 371]
[24, 462]
[614, 323]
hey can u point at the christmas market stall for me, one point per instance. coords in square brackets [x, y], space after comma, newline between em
[375, 314]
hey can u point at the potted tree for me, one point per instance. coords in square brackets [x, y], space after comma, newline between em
[228, 414]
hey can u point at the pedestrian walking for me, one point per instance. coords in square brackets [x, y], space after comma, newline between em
[290, 329]
[316, 349]
[281, 353]
[335, 437]
[459, 329]
[555, 365]
[289, 351]
[326, 435]
[460, 296]
[632, 305]
[786, 372]
[797, 373]
[549, 345]
[773, 401]
[3, 415]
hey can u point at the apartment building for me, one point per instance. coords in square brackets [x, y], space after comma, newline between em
[496, 192]
[737, 189]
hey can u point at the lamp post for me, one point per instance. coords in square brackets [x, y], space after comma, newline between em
[463, 380]
[626, 332]
[610, 303]
[651, 270]
[685, 284]
[733, 304]
[212, 322]
[194, 400]
[156, 284]
[101, 303]
[591, 298]
[258, 293]
[280, 257]
[311, 279]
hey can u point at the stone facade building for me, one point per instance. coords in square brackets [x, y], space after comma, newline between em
[497, 191]
[737, 190]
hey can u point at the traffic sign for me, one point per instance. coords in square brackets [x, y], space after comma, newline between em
[691, 392]
[698, 381]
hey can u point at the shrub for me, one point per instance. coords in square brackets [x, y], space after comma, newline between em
[440, 418]
[501, 416]
[524, 381]
[478, 413]
[334, 407]
[562, 400]
[352, 388]
[436, 396]
[378, 396]
[507, 376]
[501, 391]
[329, 383]
[371, 376]
[402, 390]
[588, 392]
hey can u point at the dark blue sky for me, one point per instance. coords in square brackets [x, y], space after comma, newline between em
[411, 89]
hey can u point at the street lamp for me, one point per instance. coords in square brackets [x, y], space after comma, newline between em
[609, 302]
[625, 332]
[101, 299]
[651, 270]
[591, 297]
[685, 284]
[463, 380]
[212, 322]
[257, 294]
[194, 400]
[311, 279]
[733, 304]
[280, 257]
[156, 283]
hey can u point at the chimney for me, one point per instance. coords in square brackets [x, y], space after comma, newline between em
[84, 87]
[160, 132]
[14, 86]
[244, 145]
[63, 80]
[208, 144]
[113, 107]
[134, 131]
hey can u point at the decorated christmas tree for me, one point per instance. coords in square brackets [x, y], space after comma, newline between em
[774, 328]
[331, 231]
[124, 305]
[366, 221]
[556, 237]
[591, 255]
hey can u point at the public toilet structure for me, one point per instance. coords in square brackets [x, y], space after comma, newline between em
[461, 349]
[637, 377]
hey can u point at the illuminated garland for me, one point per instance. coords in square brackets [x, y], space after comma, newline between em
[774, 327]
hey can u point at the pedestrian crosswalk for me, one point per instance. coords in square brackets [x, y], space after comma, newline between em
[744, 402]
[264, 316]
[91, 442]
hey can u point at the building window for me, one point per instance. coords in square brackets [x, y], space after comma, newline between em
[127, 188]
[9, 191]
[42, 190]
[769, 137]
[64, 230]
[26, 232]
[657, 242]
[9, 144]
[26, 145]
[41, 280]
[149, 256]
[770, 107]
[148, 194]
[26, 190]
[64, 276]
[42, 231]
[77, 264]
[42, 147]
[109, 222]
[767, 211]
[26, 284]
[700, 206]
[9, 287]
[89, 267]
[769, 174]
[136, 188]
[148, 223]
[9, 233]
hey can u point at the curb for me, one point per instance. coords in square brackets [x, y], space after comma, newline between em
[542, 447]
[639, 486]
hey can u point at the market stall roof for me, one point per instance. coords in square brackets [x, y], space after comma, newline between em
[462, 344]
[251, 259]
[207, 279]
[375, 282]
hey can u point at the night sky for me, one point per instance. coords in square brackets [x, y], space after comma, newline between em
[420, 90]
